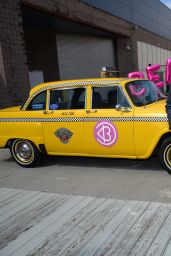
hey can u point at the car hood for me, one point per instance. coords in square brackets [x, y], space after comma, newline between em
[157, 108]
[11, 109]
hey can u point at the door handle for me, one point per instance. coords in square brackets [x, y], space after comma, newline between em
[46, 112]
[91, 111]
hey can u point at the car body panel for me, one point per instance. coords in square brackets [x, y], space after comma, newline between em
[150, 123]
[21, 124]
[72, 132]
[124, 144]
[12, 109]
[62, 121]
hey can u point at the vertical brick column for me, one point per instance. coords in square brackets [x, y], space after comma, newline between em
[14, 83]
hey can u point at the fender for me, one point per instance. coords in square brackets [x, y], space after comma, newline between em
[156, 141]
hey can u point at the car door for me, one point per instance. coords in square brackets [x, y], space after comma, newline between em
[109, 122]
[150, 121]
[63, 125]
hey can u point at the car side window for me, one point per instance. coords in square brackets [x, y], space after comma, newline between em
[108, 97]
[72, 98]
[38, 102]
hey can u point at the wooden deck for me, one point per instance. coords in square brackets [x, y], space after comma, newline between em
[40, 223]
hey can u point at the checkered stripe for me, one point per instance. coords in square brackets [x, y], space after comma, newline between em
[87, 119]
[43, 120]
[62, 119]
[150, 119]
[71, 84]
[21, 120]
[111, 119]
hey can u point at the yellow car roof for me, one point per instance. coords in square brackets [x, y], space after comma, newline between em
[67, 83]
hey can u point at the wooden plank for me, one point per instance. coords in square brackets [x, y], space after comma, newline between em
[11, 200]
[117, 210]
[26, 207]
[84, 215]
[4, 194]
[168, 250]
[33, 237]
[163, 238]
[145, 241]
[19, 199]
[19, 208]
[125, 240]
[38, 223]
[11, 195]
[71, 230]
[115, 226]
[22, 222]
[25, 196]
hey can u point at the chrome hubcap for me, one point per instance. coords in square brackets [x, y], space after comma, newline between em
[24, 151]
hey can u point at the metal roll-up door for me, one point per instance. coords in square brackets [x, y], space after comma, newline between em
[82, 56]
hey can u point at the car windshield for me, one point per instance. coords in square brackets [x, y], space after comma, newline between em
[143, 92]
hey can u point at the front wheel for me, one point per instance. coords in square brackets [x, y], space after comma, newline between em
[165, 155]
[25, 153]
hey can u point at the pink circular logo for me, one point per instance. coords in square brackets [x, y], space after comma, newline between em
[105, 133]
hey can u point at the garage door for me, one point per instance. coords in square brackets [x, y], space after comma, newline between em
[81, 56]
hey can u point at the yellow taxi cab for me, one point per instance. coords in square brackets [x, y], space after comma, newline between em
[103, 117]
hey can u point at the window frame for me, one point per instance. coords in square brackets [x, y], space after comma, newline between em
[124, 93]
[67, 88]
[118, 87]
[45, 91]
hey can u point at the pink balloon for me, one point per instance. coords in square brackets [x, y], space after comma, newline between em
[150, 72]
[136, 74]
[168, 71]
[159, 84]
[136, 93]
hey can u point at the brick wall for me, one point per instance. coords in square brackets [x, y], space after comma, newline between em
[13, 68]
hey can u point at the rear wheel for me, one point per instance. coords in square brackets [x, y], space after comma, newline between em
[25, 153]
[165, 155]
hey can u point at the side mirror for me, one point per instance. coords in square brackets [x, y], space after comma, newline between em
[122, 109]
